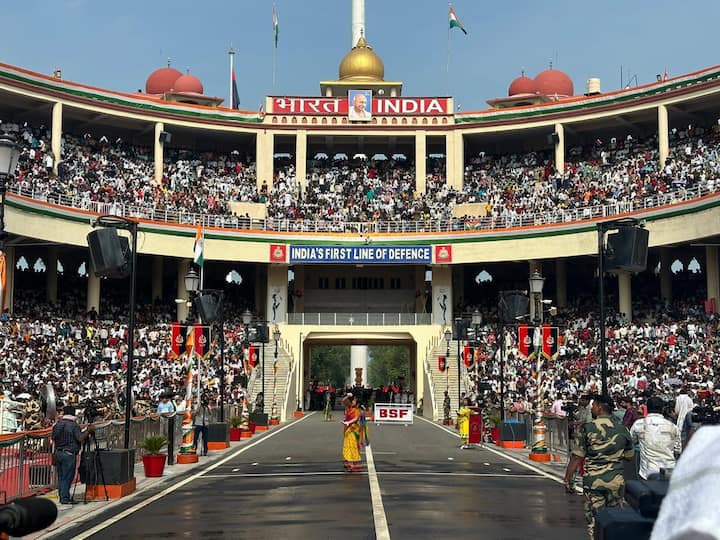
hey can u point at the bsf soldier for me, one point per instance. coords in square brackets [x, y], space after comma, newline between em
[604, 443]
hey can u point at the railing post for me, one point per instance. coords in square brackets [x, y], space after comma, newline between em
[171, 439]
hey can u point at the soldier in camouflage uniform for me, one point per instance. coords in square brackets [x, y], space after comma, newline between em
[604, 443]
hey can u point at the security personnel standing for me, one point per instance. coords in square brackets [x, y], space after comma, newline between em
[604, 443]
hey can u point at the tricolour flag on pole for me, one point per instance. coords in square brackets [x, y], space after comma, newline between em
[455, 22]
[235, 95]
[276, 26]
[198, 251]
[3, 280]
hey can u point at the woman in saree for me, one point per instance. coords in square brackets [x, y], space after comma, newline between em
[463, 423]
[352, 435]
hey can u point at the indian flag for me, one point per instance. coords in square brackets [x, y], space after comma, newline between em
[455, 22]
[198, 256]
[276, 27]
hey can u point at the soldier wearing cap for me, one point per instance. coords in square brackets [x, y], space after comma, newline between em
[604, 443]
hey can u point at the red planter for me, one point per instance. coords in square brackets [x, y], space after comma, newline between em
[235, 433]
[154, 464]
[495, 434]
[252, 427]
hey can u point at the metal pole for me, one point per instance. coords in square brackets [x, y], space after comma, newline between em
[131, 335]
[263, 375]
[222, 369]
[502, 368]
[457, 338]
[601, 277]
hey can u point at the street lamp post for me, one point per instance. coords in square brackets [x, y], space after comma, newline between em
[477, 320]
[539, 449]
[273, 410]
[119, 222]
[448, 337]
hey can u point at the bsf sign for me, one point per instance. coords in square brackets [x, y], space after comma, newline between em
[393, 413]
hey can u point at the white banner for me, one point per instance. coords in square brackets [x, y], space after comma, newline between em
[393, 413]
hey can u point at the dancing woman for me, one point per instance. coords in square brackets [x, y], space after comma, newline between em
[352, 434]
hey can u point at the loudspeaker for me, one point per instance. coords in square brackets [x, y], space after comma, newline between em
[109, 253]
[512, 431]
[218, 432]
[513, 304]
[118, 466]
[627, 250]
[209, 306]
[259, 419]
[622, 524]
[262, 333]
[553, 139]
[165, 137]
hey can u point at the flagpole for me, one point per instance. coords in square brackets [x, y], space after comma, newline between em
[274, 55]
[447, 67]
[231, 52]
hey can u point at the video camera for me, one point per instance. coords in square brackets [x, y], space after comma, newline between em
[570, 407]
[26, 516]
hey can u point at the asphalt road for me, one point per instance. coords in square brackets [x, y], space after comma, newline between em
[289, 484]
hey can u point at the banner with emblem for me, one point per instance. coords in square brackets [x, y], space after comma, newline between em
[202, 340]
[550, 342]
[468, 355]
[442, 363]
[178, 334]
[252, 356]
[525, 342]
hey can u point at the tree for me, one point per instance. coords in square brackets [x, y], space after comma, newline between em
[388, 364]
[330, 364]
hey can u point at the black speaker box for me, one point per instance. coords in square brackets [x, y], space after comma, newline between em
[622, 524]
[513, 304]
[262, 333]
[627, 250]
[646, 496]
[208, 307]
[118, 466]
[259, 419]
[513, 431]
[109, 253]
[218, 432]
[553, 139]
[165, 137]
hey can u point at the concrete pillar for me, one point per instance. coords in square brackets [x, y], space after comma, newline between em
[51, 276]
[421, 161]
[449, 162]
[420, 286]
[665, 276]
[711, 271]
[159, 151]
[93, 288]
[277, 286]
[442, 302]
[264, 151]
[663, 135]
[56, 134]
[261, 288]
[625, 295]
[299, 302]
[561, 283]
[455, 161]
[157, 277]
[560, 148]
[358, 359]
[9, 291]
[458, 278]
[183, 267]
[301, 159]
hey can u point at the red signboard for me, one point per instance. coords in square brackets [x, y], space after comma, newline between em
[278, 253]
[380, 106]
[443, 254]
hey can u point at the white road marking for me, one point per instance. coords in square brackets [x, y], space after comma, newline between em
[497, 452]
[382, 532]
[451, 459]
[506, 470]
[388, 473]
[142, 504]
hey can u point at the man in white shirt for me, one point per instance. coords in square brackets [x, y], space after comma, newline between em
[658, 438]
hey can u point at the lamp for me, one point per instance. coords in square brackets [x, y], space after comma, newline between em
[192, 281]
[246, 318]
[273, 411]
[448, 336]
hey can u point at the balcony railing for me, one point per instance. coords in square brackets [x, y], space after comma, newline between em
[360, 319]
[556, 215]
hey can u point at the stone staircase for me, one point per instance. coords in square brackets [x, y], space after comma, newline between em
[447, 380]
[280, 379]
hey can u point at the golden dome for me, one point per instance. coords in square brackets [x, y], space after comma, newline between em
[362, 64]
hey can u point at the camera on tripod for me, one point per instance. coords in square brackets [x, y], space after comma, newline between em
[91, 412]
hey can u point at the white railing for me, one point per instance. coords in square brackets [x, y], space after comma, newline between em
[360, 319]
[558, 215]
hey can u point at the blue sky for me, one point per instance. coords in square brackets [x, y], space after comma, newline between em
[116, 45]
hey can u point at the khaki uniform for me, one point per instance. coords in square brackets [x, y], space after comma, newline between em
[604, 443]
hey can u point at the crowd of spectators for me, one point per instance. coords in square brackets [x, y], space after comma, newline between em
[511, 188]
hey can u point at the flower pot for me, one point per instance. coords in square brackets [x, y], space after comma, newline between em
[154, 464]
[299, 414]
[252, 426]
[235, 433]
[495, 434]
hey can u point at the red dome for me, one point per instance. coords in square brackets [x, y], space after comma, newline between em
[188, 83]
[553, 81]
[521, 85]
[161, 80]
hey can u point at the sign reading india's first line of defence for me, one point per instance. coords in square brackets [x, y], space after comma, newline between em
[361, 254]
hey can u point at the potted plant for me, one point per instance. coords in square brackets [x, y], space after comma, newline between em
[495, 427]
[153, 460]
[235, 430]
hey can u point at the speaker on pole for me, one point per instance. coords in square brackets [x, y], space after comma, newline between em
[165, 137]
[209, 306]
[513, 305]
[627, 250]
[109, 253]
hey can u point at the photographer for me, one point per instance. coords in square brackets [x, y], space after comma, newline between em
[67, 438]
[658, 438]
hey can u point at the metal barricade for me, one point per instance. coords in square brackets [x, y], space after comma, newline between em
[25, 464]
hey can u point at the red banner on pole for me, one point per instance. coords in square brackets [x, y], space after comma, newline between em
[178, 339]
[202, 340]
[252, 356]
[468, 355]
[550, 342]
[442, 363]
[525, 340]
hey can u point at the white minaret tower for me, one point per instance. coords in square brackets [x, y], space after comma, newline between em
[358, 21]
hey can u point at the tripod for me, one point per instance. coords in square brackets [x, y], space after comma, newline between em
[93, 467]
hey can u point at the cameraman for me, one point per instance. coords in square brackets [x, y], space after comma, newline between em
[67, 438]
[658, 438]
